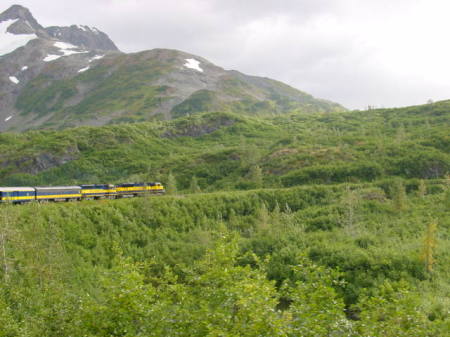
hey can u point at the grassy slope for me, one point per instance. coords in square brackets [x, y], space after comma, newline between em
[117, 84]
[134, 87]
[221, 149]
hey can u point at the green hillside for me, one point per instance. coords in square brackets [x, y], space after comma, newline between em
[328, 224]
[339, 260]
[225, 151]
[148, 86]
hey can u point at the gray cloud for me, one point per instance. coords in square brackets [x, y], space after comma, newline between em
[355, 52]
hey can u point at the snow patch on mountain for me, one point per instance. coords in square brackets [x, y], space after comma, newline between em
[193, 64]
[65, 48]
[24, 68]
[50, 57]
[83, 70]
[96, 57]
[10, 42]
[14, 79]
[64, 45]
[8, 118]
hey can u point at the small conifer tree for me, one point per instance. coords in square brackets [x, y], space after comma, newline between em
[399, 195]
[171, 184]
[194, 188]
[422, 189]
[429, 245]
[276, 213]
[263, 218]
[400, 136]
[350, 202]
[255, 176]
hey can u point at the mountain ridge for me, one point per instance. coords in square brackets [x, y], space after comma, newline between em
[70, 76]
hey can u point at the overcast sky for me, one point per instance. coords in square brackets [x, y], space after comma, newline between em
[356, 52]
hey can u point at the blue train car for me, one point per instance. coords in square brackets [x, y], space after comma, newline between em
[17, 195]
[58, 193]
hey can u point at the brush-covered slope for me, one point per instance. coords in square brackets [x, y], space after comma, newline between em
[69, 76]
[306, 261]
[230, 151]
[362, 250]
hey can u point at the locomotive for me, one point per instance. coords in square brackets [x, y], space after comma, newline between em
[19, 195]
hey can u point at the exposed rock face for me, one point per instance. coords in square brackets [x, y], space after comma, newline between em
[83, 36]
[197, 130]
[42, 161]
[24, 23]
[17, 12]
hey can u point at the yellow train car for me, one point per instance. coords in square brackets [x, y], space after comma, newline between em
[98, 191]
[18, 195]
[156, 188]
[135, 189]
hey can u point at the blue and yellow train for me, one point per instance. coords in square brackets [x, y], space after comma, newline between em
[19, 195]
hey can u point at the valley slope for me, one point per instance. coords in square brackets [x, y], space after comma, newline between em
[285, 215]
[232, 151]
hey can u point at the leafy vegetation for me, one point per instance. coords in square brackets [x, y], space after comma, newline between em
[332, 224]
[222, 150]
[305, 261]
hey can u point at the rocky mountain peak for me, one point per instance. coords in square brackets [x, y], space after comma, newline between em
[16, 12]
[83, 36]
[23, 21]
[28, 50]
[18, 20]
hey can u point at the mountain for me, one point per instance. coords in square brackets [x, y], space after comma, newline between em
[18, 20]
[18, 24]
[28, 50]
[59, 77]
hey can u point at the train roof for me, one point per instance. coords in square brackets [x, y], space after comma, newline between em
[16, 189]
[130, 184]
[58, 188]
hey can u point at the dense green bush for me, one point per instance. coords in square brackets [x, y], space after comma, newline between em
[221, 149]
[302, 250]
[341, 255]
[333, 173]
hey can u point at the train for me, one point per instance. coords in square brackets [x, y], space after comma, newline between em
[20, 195]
